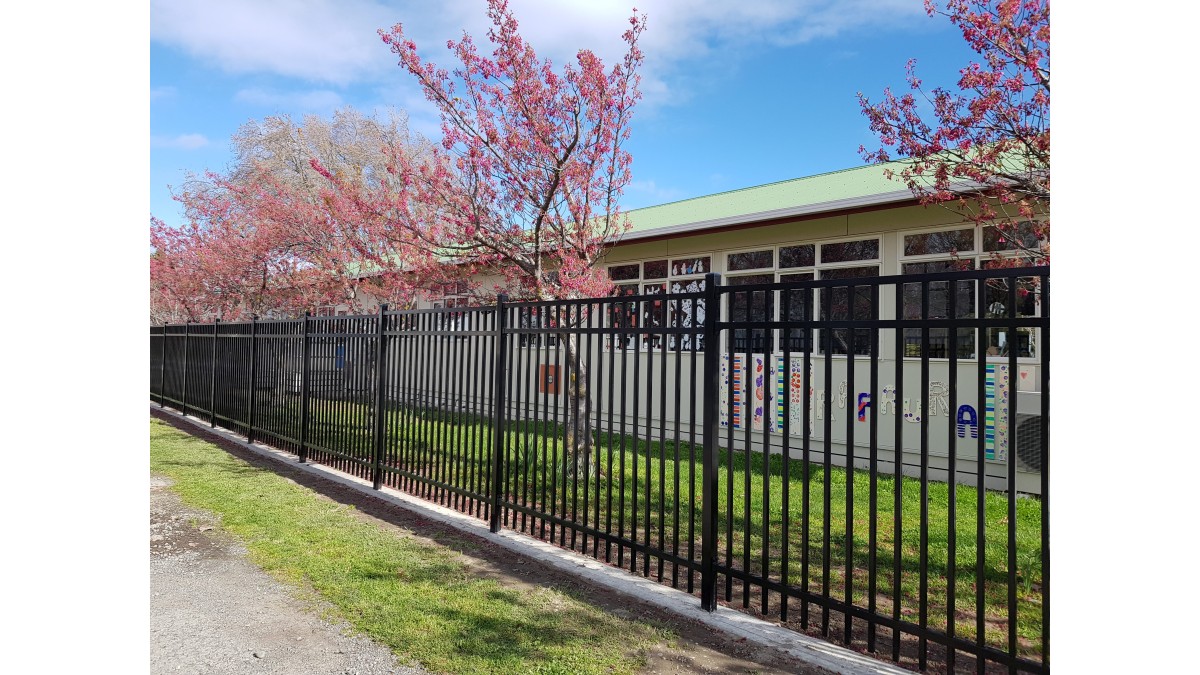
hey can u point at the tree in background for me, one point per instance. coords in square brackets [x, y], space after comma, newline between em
[985, 148]
[268, 236]
[525, 184]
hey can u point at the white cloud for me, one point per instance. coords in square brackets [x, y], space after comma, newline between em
[162, 92]
[335, 41]
[180, 142]
[316, 40]
[685, 40]
[318, 100]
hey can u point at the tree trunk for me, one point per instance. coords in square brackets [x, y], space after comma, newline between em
[579, 433]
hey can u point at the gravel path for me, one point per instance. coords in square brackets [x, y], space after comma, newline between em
[212, 611]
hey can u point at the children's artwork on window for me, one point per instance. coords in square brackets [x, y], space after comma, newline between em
[686, 266]
[654, 315]
[686, 313]
[623, 315]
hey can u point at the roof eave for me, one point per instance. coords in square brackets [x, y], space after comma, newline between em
[774, 214]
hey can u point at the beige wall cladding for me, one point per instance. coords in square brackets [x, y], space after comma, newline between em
[649, 249]
[909, 217]
[769, 235]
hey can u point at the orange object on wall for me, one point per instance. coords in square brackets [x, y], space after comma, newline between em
[547, 379]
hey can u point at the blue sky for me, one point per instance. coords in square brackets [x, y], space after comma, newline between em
[736, 94]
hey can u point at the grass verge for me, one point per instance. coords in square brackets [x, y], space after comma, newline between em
[648, 478]
[413, 596]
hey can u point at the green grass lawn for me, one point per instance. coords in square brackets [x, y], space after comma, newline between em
[413, 596]
[645, 479]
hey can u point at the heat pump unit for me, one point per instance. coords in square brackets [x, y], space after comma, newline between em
[1029, 442]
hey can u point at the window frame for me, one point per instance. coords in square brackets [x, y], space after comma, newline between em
[649, 340]
[812, 339]
[979, 258]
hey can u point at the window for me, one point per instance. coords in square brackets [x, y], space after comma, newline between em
[850, 251]
[624, 272]
[687, 276]
[751, 307]
[658, 277]
[804, 255]
[940, 295]
[656, 269]
[1025, 235]
[752, 260]
[967, 249]
[1008, 298]
[950, 241]
[801, 262]
[796, 306]
[848, 303]
[684, 267]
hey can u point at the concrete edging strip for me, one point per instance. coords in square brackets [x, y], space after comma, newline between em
[802, 647]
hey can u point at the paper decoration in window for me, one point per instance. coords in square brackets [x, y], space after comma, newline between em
[686, 266]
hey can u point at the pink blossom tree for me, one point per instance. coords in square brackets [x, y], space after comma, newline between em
[270, 236]
[525, 184]
[985, 148]
[227, 267]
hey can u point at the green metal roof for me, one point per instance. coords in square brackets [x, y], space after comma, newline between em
[859, 186]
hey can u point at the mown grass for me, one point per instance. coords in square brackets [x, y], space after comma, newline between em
[643, 482]
[413, 596]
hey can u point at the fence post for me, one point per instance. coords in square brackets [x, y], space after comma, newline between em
[380, 382]
[304, 392]
[183, 394]
[162, 371]
[712, 431]
[498, 405]
[253, 378]
[212, 388]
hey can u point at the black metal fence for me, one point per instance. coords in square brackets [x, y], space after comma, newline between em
[866, 458]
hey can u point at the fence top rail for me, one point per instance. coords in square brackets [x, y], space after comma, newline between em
[1042, 273]
[343, 317]
[229, 324]
[475, 309]
[962, 322]
[609, 300]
